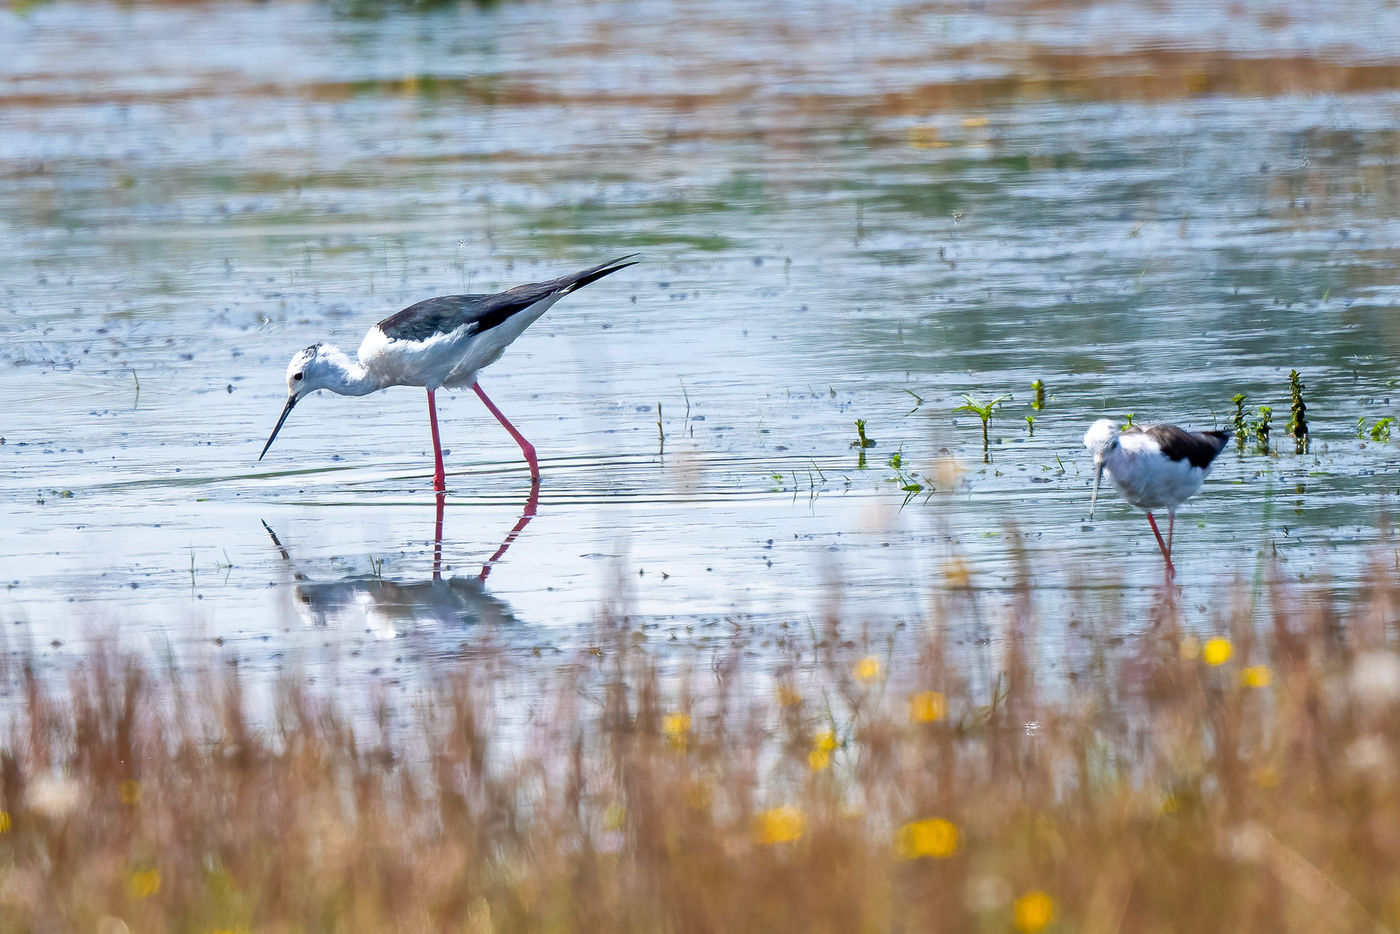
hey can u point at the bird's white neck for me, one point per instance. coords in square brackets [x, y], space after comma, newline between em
[342, 374]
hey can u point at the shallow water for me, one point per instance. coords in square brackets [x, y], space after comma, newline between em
[844, 211]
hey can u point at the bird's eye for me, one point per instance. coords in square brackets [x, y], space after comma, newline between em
[298, 375]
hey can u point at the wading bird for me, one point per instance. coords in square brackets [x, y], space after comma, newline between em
[442, 341]
[1154, 467]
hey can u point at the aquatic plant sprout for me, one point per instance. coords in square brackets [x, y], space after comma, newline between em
[983, 410]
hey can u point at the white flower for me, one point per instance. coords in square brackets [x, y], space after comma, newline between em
[1375, 679]
[54, 796]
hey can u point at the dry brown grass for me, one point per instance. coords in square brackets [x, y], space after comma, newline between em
[1180, 791]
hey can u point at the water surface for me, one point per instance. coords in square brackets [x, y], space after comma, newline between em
[844, 211]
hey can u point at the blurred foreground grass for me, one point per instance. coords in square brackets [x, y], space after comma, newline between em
[1226, 779]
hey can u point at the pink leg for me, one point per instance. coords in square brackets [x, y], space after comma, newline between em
[1166, 551]
[1171, 526]
[525, 446]
[437, 538]
[531, 505]
[439, 475]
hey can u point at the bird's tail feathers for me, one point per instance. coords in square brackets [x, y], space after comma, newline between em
[579, 279]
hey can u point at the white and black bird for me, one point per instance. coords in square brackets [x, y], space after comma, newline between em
[1154, 467]
[443, 341]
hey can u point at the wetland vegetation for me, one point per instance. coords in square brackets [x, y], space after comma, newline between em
[1206, 775]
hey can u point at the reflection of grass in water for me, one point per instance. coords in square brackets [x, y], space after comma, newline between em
[1187, 778]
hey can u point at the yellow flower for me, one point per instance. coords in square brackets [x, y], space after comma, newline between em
[1257, 676]
[780, 825]
[676, 726]
[955, 572]
[130, 792]
[927, 707]
[1217, 652]
[1033, 911]
[867, 669]
[4, 821]
[822, 745]
[932, 836]
[143, 883]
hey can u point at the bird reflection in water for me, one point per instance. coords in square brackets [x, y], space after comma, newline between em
[388, 608]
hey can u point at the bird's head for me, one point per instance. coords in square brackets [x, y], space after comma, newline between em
[1101, 438]
[309, 371]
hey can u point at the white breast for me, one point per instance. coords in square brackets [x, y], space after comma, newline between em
[413, 363]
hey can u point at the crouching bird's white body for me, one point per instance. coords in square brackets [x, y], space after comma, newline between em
[443, 341]
[1153, 467]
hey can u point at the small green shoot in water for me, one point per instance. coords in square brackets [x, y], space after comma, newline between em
[861, 440]
[918, 401]
[907, 482]
[1127, 421]
[982, 410]
[1380, 431]
[1297, 421]
[1038, 402]
[1261, 427]
[1361, 428]
[1239, 425]
[686, 421]
[1030, 426]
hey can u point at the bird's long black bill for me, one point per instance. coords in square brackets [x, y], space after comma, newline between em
[291, 401]
[1093, 500]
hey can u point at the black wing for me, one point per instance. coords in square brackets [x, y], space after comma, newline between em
[447, 313]
[1198, 447]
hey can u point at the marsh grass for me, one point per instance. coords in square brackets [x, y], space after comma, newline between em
[1210, 777]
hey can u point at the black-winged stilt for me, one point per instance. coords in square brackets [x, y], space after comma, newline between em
[443, 341]
[1154, 467]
